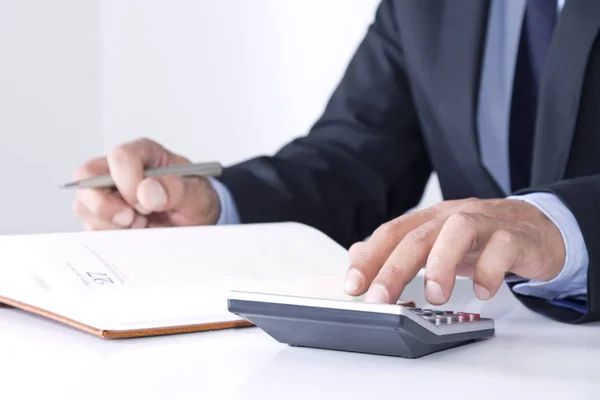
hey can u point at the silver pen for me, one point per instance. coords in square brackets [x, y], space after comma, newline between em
[181, 170]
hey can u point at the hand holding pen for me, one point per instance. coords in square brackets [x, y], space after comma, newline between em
[141, 184]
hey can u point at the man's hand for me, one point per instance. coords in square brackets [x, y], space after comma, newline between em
[483, 239]
[139, 202]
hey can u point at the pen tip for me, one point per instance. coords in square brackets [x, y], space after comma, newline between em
[67, 185]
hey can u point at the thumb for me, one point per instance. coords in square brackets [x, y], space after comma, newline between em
[193, 198]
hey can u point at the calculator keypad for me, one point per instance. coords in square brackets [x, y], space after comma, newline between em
[441, 317]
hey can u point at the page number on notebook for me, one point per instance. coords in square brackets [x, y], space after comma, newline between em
[100, 278]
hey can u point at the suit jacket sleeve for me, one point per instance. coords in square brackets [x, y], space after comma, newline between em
[581, 196]
[362, 163]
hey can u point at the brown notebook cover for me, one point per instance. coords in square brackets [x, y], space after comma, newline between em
[125, 334]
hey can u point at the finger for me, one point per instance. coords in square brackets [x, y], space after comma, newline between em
[460, 233]
[354, 282]
[404, 263]
[187, 199]
[498, 257]
[139, 222]
[98, 202]
[93, 167]
[107, 207]
[90, 221]
[367, 258]
[127, 163]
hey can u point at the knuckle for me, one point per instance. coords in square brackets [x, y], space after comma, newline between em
[394, 273]
[505, 238]
[121, 154]
[417, 236]
[461, 220]
[387, 229]
[361, 257]
[470, 204]
[464, 224]
[144, 144]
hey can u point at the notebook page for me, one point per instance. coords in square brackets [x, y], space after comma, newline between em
[157, 274]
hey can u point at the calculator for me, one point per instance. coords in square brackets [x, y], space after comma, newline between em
[345, 325]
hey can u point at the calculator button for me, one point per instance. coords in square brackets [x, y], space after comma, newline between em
[462, 317]
[467, 317]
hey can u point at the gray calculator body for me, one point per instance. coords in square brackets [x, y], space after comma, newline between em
[383, 329]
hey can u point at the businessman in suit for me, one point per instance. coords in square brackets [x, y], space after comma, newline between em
[499, 98]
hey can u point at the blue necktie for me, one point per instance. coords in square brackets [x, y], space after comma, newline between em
[539, 20]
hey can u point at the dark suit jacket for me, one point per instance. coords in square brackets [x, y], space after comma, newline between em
[406, 107]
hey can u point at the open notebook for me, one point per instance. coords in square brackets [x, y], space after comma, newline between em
[130, 283]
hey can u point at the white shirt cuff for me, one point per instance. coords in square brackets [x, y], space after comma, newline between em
[571, 282]
[229, 213]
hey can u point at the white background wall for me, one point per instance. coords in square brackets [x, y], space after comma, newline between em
[50, 103]
[209, 79]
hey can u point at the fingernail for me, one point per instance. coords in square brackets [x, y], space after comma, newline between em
[354, 281]
[157, 197]
[376, 294]
[123, 218]
[481, 292]
[139, 223]
[434, 293]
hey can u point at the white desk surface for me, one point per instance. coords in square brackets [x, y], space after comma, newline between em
[530, 358]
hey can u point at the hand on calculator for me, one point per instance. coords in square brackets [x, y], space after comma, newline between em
[480, 238]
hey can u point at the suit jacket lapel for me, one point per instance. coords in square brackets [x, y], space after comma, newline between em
[561, 85]
[462, 42]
